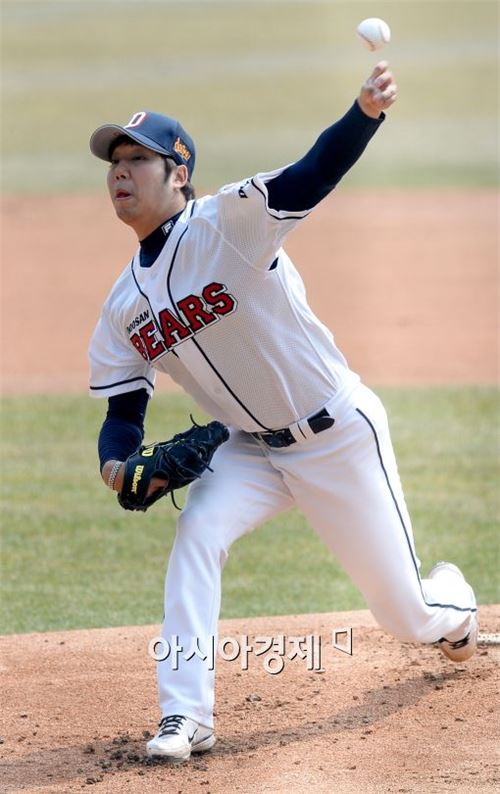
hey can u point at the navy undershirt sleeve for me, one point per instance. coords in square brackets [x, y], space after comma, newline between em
[305, 183]
[123, 428]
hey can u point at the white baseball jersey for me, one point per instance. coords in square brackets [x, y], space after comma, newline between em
[223, 311]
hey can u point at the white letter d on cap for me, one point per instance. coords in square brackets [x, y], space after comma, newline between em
[136, 119]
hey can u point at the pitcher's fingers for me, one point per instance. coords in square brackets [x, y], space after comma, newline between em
[379, 68]
[390, 93]
[385, 98]
[384, 80]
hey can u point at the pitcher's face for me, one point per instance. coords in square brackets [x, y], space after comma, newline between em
[142, 195]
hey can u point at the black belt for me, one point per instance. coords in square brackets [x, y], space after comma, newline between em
[283, 438]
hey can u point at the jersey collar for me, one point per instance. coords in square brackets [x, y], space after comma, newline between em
[151, 246]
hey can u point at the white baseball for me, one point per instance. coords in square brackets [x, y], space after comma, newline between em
[374, 33]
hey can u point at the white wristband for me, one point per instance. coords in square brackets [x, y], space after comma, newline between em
[114, 471]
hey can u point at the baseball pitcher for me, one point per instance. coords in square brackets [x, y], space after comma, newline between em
[211, 298]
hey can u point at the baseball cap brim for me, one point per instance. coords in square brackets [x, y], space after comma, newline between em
[104, 136]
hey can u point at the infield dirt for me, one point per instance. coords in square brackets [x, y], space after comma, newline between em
[78, 706]
[407, 281]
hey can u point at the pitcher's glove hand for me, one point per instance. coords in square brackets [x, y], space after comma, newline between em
[179, 461]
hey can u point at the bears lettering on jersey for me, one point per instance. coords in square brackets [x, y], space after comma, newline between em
[193, 314]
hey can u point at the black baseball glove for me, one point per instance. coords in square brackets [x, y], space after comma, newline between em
[180, 460]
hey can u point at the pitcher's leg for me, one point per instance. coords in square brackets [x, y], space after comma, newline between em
[352, 495]
[243, 491]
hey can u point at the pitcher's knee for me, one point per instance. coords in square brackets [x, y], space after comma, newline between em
[196, 523]
[198, 526]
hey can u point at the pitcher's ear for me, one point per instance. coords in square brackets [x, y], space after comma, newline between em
[181, 176]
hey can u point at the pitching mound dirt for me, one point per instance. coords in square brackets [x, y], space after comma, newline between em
[78, 706]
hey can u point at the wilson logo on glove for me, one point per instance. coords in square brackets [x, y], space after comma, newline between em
[135, 479]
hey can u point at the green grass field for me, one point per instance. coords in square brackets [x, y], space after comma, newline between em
[254, 83]
[71, 557]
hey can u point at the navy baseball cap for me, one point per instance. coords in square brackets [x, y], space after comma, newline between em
[160, 133]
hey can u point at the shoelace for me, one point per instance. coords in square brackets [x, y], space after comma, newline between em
[171, 724]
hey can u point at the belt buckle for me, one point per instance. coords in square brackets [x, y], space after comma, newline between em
[277, 439]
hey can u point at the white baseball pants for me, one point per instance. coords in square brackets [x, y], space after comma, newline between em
[346, 482]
